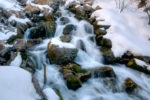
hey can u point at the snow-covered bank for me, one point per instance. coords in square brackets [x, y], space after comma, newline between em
[129, 29]
[16, 84]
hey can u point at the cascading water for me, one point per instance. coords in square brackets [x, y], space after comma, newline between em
[90, 57]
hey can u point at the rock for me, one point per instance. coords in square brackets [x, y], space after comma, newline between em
[98, 7]
[100, 32]
[43, 30]
[88, 28]
[30, 10]
[88, 8]
[130, 85]
[69, 29]
[4, 13]
[2, 47]
[80, 45]
[14, 37]
[73, 82]
[132, 64]
[104, 72]
[49, 17]
[20, 44]
[126, 57]
[33, 42]
[66, 38]
[79, 10]
[22, 2]
[108, 56]
[104, 42]
[64, 20]
[59, 55]
[43, 2]
[89, 2]
[58, 13]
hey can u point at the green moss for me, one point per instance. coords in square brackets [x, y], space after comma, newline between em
[65, 71]
[78, 69]
[132, 64]
[24, 55]
[58, 93]
[13, 38]
[73, 83]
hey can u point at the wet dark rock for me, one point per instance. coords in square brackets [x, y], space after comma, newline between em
[74, 74]
[88, 28]
[130, 85]
[43, 30]
[126, 57]
[31, 10]
[104, 42]
[33, 42]
[22, 2]
[108, 56]
[20, 44]
[144, 58]
[69, 29]
[98, 7]
[66, 38]
[104, 72]
[80, 45]
[64, 20]
[73, 82]
[79, 10]
[132, 64]
[4, 13]
[59, 55]
[100, 32]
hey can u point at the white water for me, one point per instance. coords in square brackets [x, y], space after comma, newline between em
[93, 89]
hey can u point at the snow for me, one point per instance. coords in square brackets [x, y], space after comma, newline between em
[142, 63]
[50, 93]
[23, 21]
[6, 33]
[16, 84]
[129, 29]
[17, 61]
[10, 5]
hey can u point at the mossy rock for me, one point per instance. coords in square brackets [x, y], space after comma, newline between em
[13, 38]
[49, 17]
[84, 77]
[58, 93]
[132, 64]
[23, 55]
[73, 82]
[130, 85]
[78, 69]
[108, 56]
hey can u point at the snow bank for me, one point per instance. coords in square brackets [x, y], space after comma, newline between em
[10, 5]
[50, 93]
[129, 29]
[23, 21]
[15, 84]
[17, 61]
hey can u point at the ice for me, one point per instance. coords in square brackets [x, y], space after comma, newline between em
[17, 61]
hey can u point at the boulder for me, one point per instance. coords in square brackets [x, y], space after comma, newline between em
[81, 45]
[69, 29]
[42, 2]
[20, 44]
[64, 20]
[104, 72]
[73, 82]
[100, 32]
[104, 42]
[98, 7]
[79, 10]
[59, 55]
[66, 38]
[130, 85]
[22, 2]
[30, 10]
[43, 30]
[108, 56]
[33, 42]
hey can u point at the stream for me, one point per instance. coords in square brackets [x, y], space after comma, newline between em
[89, 57]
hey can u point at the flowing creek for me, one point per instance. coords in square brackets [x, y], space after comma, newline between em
[88, 57]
